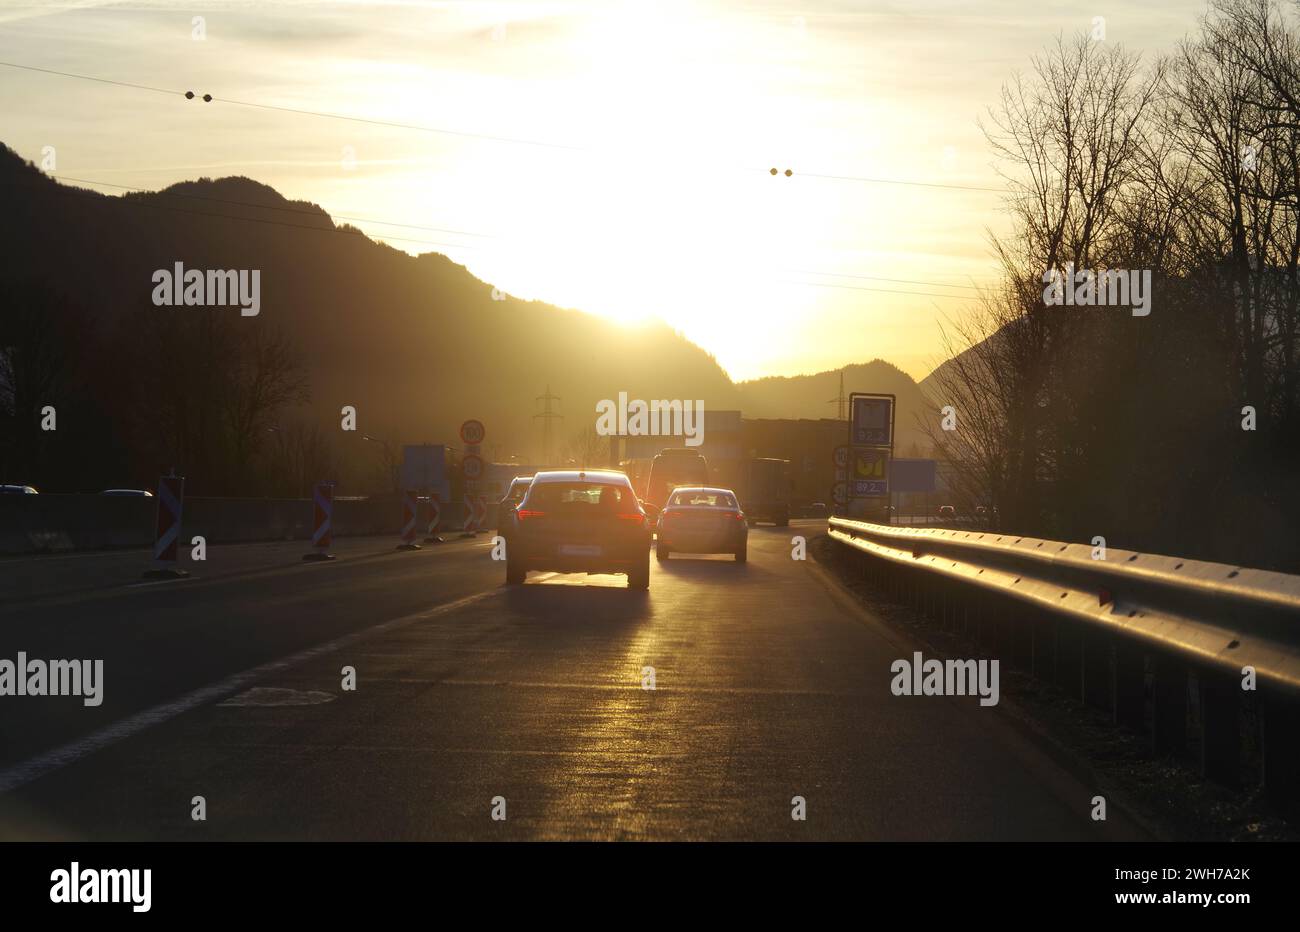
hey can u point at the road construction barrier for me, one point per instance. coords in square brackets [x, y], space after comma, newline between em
[322, 497]
[476, 512]
[435, 518]
[54, 522]
[409, 506]
[167, 527]
[1132, 633]
[467, 528]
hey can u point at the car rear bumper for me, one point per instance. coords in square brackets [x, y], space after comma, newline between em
[688, 542]
[613, 558]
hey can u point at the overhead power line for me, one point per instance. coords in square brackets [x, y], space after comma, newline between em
[285, 208]
[393, 124]
[922, 294]
[149, 205]
[301, 111]
[878, 278]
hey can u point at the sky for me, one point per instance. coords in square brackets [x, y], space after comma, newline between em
[603, 155]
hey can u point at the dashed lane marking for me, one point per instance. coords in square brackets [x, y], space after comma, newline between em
[34, 768]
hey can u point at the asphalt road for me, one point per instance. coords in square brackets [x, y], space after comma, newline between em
[770, 683]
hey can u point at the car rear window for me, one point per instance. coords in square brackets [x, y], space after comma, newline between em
[581, 494]
[712, 499]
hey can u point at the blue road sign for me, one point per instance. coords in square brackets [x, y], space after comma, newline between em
[872, 420]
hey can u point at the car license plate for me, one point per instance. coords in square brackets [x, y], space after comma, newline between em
[579, 550]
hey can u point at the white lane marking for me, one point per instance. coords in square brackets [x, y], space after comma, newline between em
[276, 696]
[159, 582]
[25, 772]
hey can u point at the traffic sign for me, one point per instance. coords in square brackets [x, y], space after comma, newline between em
[841, 457]
[872, 421]
[840, 494]
[870, 474]
[473, 466]
[472, 431]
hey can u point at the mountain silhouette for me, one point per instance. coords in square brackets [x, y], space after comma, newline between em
[415, 344]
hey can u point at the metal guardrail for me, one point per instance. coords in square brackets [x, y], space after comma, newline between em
[1214, 614]
[1129, 632]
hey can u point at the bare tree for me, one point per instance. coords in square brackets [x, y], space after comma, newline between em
[587, 448]
[1070, 141]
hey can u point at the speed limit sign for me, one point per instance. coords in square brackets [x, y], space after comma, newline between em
[472, 432]
[473, 466]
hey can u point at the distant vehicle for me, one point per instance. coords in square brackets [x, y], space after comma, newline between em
[128, 493]
[673, 468]
[17, 490]
[767, 495]
[573, 521]
[506, 507]
[702, 520]
[947, 512]
[817, 510]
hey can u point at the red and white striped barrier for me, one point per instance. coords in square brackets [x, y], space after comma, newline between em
[167, 528]
[322, 498]
[409, 500]
[475, 514]
[435, 519]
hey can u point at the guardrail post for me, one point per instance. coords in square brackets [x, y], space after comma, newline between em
[1220, 727]
[1097, 673]
[1010, 625]
[1128, 686]
[1069, 658]
[1022, 633]
[1169, 707]
[1280, 728]
[1040, 639]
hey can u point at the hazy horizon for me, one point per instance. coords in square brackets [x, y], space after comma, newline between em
[572, 168]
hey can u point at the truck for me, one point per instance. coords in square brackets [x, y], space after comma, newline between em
[669, 469]
[765, 491]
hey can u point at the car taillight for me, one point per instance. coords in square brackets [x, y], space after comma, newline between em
[733, 514]
[635, 518]
[523, 514]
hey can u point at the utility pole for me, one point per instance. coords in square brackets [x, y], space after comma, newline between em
[841, 400]
[547, 415]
